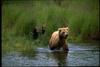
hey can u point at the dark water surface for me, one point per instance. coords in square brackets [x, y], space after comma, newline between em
[80, 54]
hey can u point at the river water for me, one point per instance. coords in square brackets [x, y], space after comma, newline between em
[80, 54]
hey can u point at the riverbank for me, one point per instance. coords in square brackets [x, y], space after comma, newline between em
[19, 18]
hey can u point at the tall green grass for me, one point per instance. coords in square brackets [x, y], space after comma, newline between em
[20, 17]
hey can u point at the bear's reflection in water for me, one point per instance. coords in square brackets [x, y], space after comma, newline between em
[60, 57]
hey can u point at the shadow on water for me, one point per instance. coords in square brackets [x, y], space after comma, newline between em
[28, 53]
[60, 58]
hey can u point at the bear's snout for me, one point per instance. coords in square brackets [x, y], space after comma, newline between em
[66, 36]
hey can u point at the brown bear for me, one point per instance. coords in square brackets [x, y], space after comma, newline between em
[58, 39]
[37, 31]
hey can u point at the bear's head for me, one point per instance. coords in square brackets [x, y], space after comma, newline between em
[63, 32]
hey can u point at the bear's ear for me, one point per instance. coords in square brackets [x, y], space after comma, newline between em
[59, 29]
[67, 28]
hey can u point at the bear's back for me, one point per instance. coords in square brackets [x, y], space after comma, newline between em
[54, 38]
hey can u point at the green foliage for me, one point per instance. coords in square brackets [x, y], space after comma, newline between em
[20, 17]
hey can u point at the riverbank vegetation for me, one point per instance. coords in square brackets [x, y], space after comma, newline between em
[20, 17]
